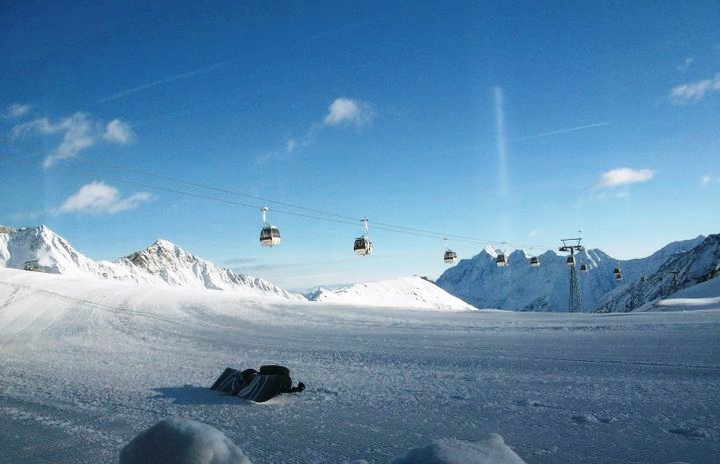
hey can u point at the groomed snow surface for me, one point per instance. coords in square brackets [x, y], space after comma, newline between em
[88, 366]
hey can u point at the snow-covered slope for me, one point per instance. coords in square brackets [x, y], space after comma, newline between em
[701, 296]
[408, 292]
[546, 288]
[87, 364]
[162, 263]
[679, 271]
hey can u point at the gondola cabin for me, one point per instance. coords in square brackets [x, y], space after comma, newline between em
[362, 246]
[534, 261]
[618, 276]
[617, 271]
[500, 261]
[570, 260]
[583, 268]
[270, 236]
[450, 257]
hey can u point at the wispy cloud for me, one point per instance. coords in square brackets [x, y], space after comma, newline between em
[341, 112]
[236, 261]
[599, 197]
[28, 216]
[348, 111]
[16, 110]
[686, 64]
[694, 91]
[708, 179]
[99, 198]
[622, 176]
[79, 132]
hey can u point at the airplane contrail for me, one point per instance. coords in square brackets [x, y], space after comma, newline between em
[560, 131]
[166, 80]
[212, 67]
[501, 140]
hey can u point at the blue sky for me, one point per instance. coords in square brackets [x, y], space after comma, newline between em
[519, 122]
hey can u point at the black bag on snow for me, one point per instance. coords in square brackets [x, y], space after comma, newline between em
[256, 386]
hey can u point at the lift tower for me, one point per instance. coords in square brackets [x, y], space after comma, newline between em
[571, 245]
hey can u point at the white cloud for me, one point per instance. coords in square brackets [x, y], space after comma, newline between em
[694, 91]
[622, 176]
[120, 132]
[348, 111]
[98, 198]
[79, 131]
[16, 110]
[342, 111]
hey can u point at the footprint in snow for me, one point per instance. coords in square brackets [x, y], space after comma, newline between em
[692, 432]
[534, 404]
[590, 419]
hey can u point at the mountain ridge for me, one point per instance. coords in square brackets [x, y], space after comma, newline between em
[479, 282]
[161, 263]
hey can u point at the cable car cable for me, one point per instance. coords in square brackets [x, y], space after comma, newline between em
[345, 219]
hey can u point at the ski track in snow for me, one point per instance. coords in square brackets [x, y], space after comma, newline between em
[86, 365]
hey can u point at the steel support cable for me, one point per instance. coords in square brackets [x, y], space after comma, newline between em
[342, 219]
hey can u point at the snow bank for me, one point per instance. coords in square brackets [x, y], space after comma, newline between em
[491, 450]
[698, 297]
[182, 441]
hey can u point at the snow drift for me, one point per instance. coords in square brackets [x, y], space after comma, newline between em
[408, 292]
[491, 450]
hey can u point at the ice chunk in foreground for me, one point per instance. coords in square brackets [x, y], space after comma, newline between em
[491, 450]
[182, 441]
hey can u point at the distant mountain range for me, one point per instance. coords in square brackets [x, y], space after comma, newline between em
[519, 286]
[472, 283]
[165, 264]
[162, 263]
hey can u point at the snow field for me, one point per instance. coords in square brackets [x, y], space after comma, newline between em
[88, 365]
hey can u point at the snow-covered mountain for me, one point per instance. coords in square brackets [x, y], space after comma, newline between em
[407, 292]
[162, 263]
[679, 271]
[519, 286]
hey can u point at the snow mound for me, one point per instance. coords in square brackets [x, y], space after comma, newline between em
[405, 292]
[491, 450]
[182, 441]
